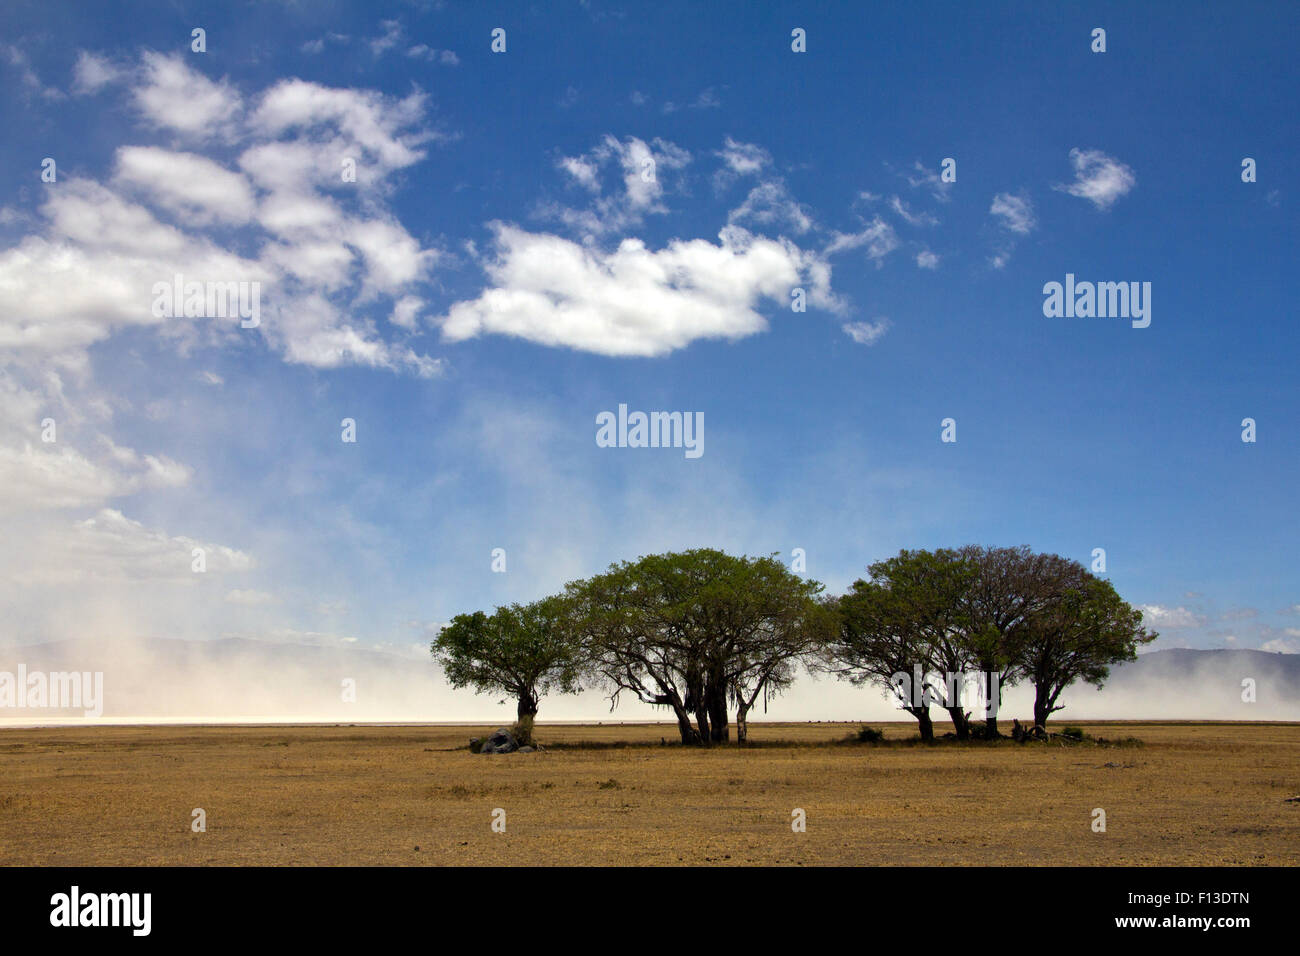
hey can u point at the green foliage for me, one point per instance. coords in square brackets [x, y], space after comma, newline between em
[1075, 733]
[869, 735]
[698, 630]
[525, 651]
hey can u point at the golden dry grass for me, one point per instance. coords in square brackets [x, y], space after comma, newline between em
[1195, 794]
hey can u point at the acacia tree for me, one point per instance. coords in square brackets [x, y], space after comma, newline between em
[1077, 636]
[1008, 587]
[775, 625]
[899, 627]
[524, 651]
[694, 629]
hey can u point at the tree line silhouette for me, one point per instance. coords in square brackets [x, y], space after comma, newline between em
[708, 634]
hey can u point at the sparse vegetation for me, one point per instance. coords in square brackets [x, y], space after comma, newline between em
[365, 796]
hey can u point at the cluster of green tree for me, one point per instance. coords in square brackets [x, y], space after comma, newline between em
[707, 634]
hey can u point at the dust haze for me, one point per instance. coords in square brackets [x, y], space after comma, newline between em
[244, 680]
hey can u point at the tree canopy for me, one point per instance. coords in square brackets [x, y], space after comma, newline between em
[696, 629]
[523, 650]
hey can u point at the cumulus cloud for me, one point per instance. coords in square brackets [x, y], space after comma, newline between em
[190, 186]
[176, 97]
[93, 270]
[326, 249]
[633, 300]
[1098, 178]
[925, 259]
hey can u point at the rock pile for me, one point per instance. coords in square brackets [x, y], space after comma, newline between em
[501, 742]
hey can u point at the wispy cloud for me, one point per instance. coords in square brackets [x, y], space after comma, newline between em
[1015, 213]
[866, 333]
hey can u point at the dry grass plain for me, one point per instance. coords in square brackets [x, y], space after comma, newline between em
[1192, 794]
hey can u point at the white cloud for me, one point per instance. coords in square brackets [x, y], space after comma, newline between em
[633, 301]
[191, 186]
[584, 171]
[1016, 212]
[325, 249]
[769, 204]
[93, 72]
[422, 52]
[744, 159]
[94, 270]
[113, 546]
[866, 333]
[391, 36]
[925, 259]
[406, 311]
[878, 237]
[176, 97]
[641, 167]
[360, 120]
[910, 217]
[924, 177]
[706, 100]
[1098, 178]
[1171, 617]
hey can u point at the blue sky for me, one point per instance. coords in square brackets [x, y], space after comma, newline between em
[502, 272]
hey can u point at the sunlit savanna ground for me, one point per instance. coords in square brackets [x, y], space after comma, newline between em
[1192, 794]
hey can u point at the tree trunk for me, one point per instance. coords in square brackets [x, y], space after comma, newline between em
[960, 722]
[1044, 705]
[742, 727]
[720, 731]
[527, 706]
[702, 724]
[690, 736]
[926, 726]
[992, 689]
